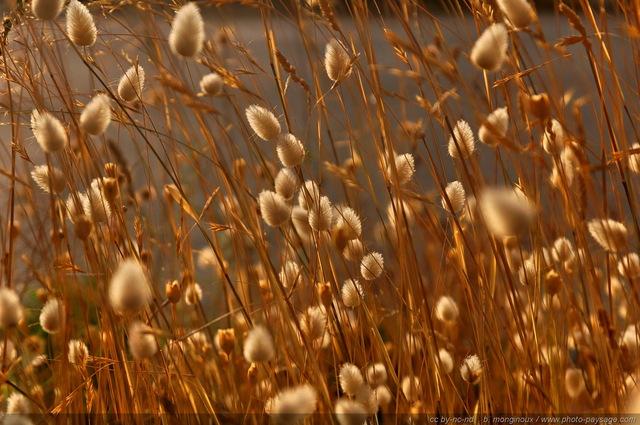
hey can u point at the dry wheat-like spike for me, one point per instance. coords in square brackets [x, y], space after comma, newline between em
[81, 28]
[411, 388]
[574, 382]
[447, 309]
[49, 179]
[258, 346]
[293, 405]
[457, 196]
[47, 10]
[132, 83]
[372, 266]
[350, 378]
[274, 209]
[352, 293]
[349, 221]
[285, 183]
[471, 369]
[446, 360]
[337, 61]
[506, 212]
[519, 12]
[495, 127]
[629, 266]
[10, 308]
[211, 84]
[51, 316]
[377, 374]
[321, 215]
[462, 144]
[573, 19]
[142, 343]
[490, 50]
[96, 116]
[129, 287]
[17, 404]
[553, 139]
[610, 234]
[263, 122]
[349, 412]
[405, 166]
[289, 274]
[49, 131]
[187, 31]
[290, 150]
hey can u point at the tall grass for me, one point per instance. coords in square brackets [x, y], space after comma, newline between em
[398, 266]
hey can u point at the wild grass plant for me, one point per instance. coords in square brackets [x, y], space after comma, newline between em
[205, 228]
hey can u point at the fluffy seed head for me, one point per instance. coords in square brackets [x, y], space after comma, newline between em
[47, 10]
[447, 309]
[78, 353]
[562, 250]
[293, 405]
[17, 404]
[274, 209]
[629, 266]
[457, 196]
[405, 166]
[80, 25]
[376, 374]
[49, 132]
[528, 272]
[263, 122]
[553, 139]
[51, 316]
[349, 412]
[285, 183]
[129, 288]
[634, 159]
[519, 12]
[96, 116]
[131, 84]
[258, 346]
[289, 273]
[610, 234]
[574, 382]
[337, 61]
[446, 360]
[383, 395]
[350, 378]
[352, 293]
[49, 179]
[506, 212]
[11, 351]
[142, 343]
[495, 127]
[372, 265]
[321, 215]
[471, 369]
[10, 308]
[490, 50]
[411, 388]
[462, 144]
[211, 84]
[353, 250]
[314, 323]
[309, 195]
[290, 150]
[368, 399]
[193, 294]
[350, 222]
[187, 31]
[94, 204]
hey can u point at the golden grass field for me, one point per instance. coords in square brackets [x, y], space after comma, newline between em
[304, 212]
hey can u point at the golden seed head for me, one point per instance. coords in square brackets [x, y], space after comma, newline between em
[227, 340]
[173, 292]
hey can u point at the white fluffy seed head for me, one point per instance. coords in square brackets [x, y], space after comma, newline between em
[457, 196]
[309, 195]
[411, 388]
[11, 351]
[211, 84]
[274, 209]
[321, 215]
[94, 203]
[47, 10]
[290, 150]
[49, 179]
[187, 31]
[352, 293]
[132, 83]
[349, 221]
[263, 122]
[405, 166]
[96, 116]
[634, 159]
[490, 50]
[610, 234]
[51, 316]
[290, 274]
[519, 12]
[367, 398]
[193, 294]
[49, 131]
[562, 250]
[285, 183]
[293, 405]
[629, 266]
[574, 382]
[129, 287]
[446, 360]
[462, 144]
[314, 323]
[495, 127]
[376, 374]
[80, 25]
[447, 309]
[10, 308]
[372, 265]
[142, 343]
[553, 139]
[528, 272]
[349, 412]
[78, 353]
[383, 395]
[471, 369]
[506, 212]
[337, 61]
[350, 378]
[353, 250]
[258, 346]
[17, 404]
